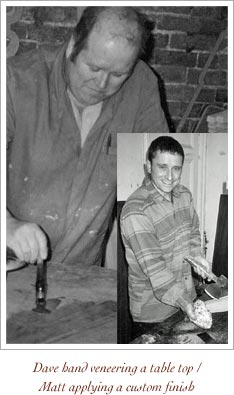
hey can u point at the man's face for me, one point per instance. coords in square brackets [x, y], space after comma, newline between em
[100, 70]
[166, 169]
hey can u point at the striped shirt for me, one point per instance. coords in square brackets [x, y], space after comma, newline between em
[157, 234]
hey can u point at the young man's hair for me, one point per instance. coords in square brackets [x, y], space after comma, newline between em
[127, 15]
[165, 144]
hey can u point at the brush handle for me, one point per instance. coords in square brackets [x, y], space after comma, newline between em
[196, 265]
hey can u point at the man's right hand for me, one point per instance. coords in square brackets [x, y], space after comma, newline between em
[27, 240]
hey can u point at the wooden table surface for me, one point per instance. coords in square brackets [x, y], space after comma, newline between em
[82, 302]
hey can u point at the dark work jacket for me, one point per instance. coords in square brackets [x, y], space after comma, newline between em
[68, 190]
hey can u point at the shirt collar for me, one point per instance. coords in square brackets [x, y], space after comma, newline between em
[156, 193]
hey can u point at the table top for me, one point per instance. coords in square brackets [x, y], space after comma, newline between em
[175, 330]
[82, 304]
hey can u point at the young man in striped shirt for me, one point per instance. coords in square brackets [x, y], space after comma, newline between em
[159, 227]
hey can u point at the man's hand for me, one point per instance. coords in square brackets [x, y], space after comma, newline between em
[204, 267]
[27, 240]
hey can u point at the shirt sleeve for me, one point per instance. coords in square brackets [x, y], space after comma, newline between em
[150, 118]
[142, 248]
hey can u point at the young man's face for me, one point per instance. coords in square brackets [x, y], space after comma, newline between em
[100, 70]
[165, 170]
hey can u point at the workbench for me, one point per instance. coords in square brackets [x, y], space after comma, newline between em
[82, 304]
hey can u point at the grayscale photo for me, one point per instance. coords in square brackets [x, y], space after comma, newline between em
[88, 89]
[173, 238]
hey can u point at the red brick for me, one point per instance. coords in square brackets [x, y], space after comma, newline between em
[224, 13]
[210, 12]
[48, 33]
[179, 23]
[195, 111]
[216, 78]
[202, 59]
[200, 42]
[161, 40]
[162, 56]
[195, 42]
[219, 61]
[146, 9]
[28, 14]
[223, 62]
[193, 76]
[188, 93]
[206, 95]
[224, 44]
[190, 24]
[221, 95]
[174, 108]
[40, 15]
[49, 14]
[178, 41]
[174, 10]
[70, 14]
[212, 77]
[20, 29]
[174, 92]
[171, 73]
[212, 26]
[177, 109]
[189, 126]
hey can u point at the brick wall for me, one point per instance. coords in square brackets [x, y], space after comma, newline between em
[184, 38]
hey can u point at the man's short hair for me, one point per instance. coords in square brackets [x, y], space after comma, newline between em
[90, 17]
[164, 144]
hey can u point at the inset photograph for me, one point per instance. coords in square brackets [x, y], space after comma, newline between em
[173, 238]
